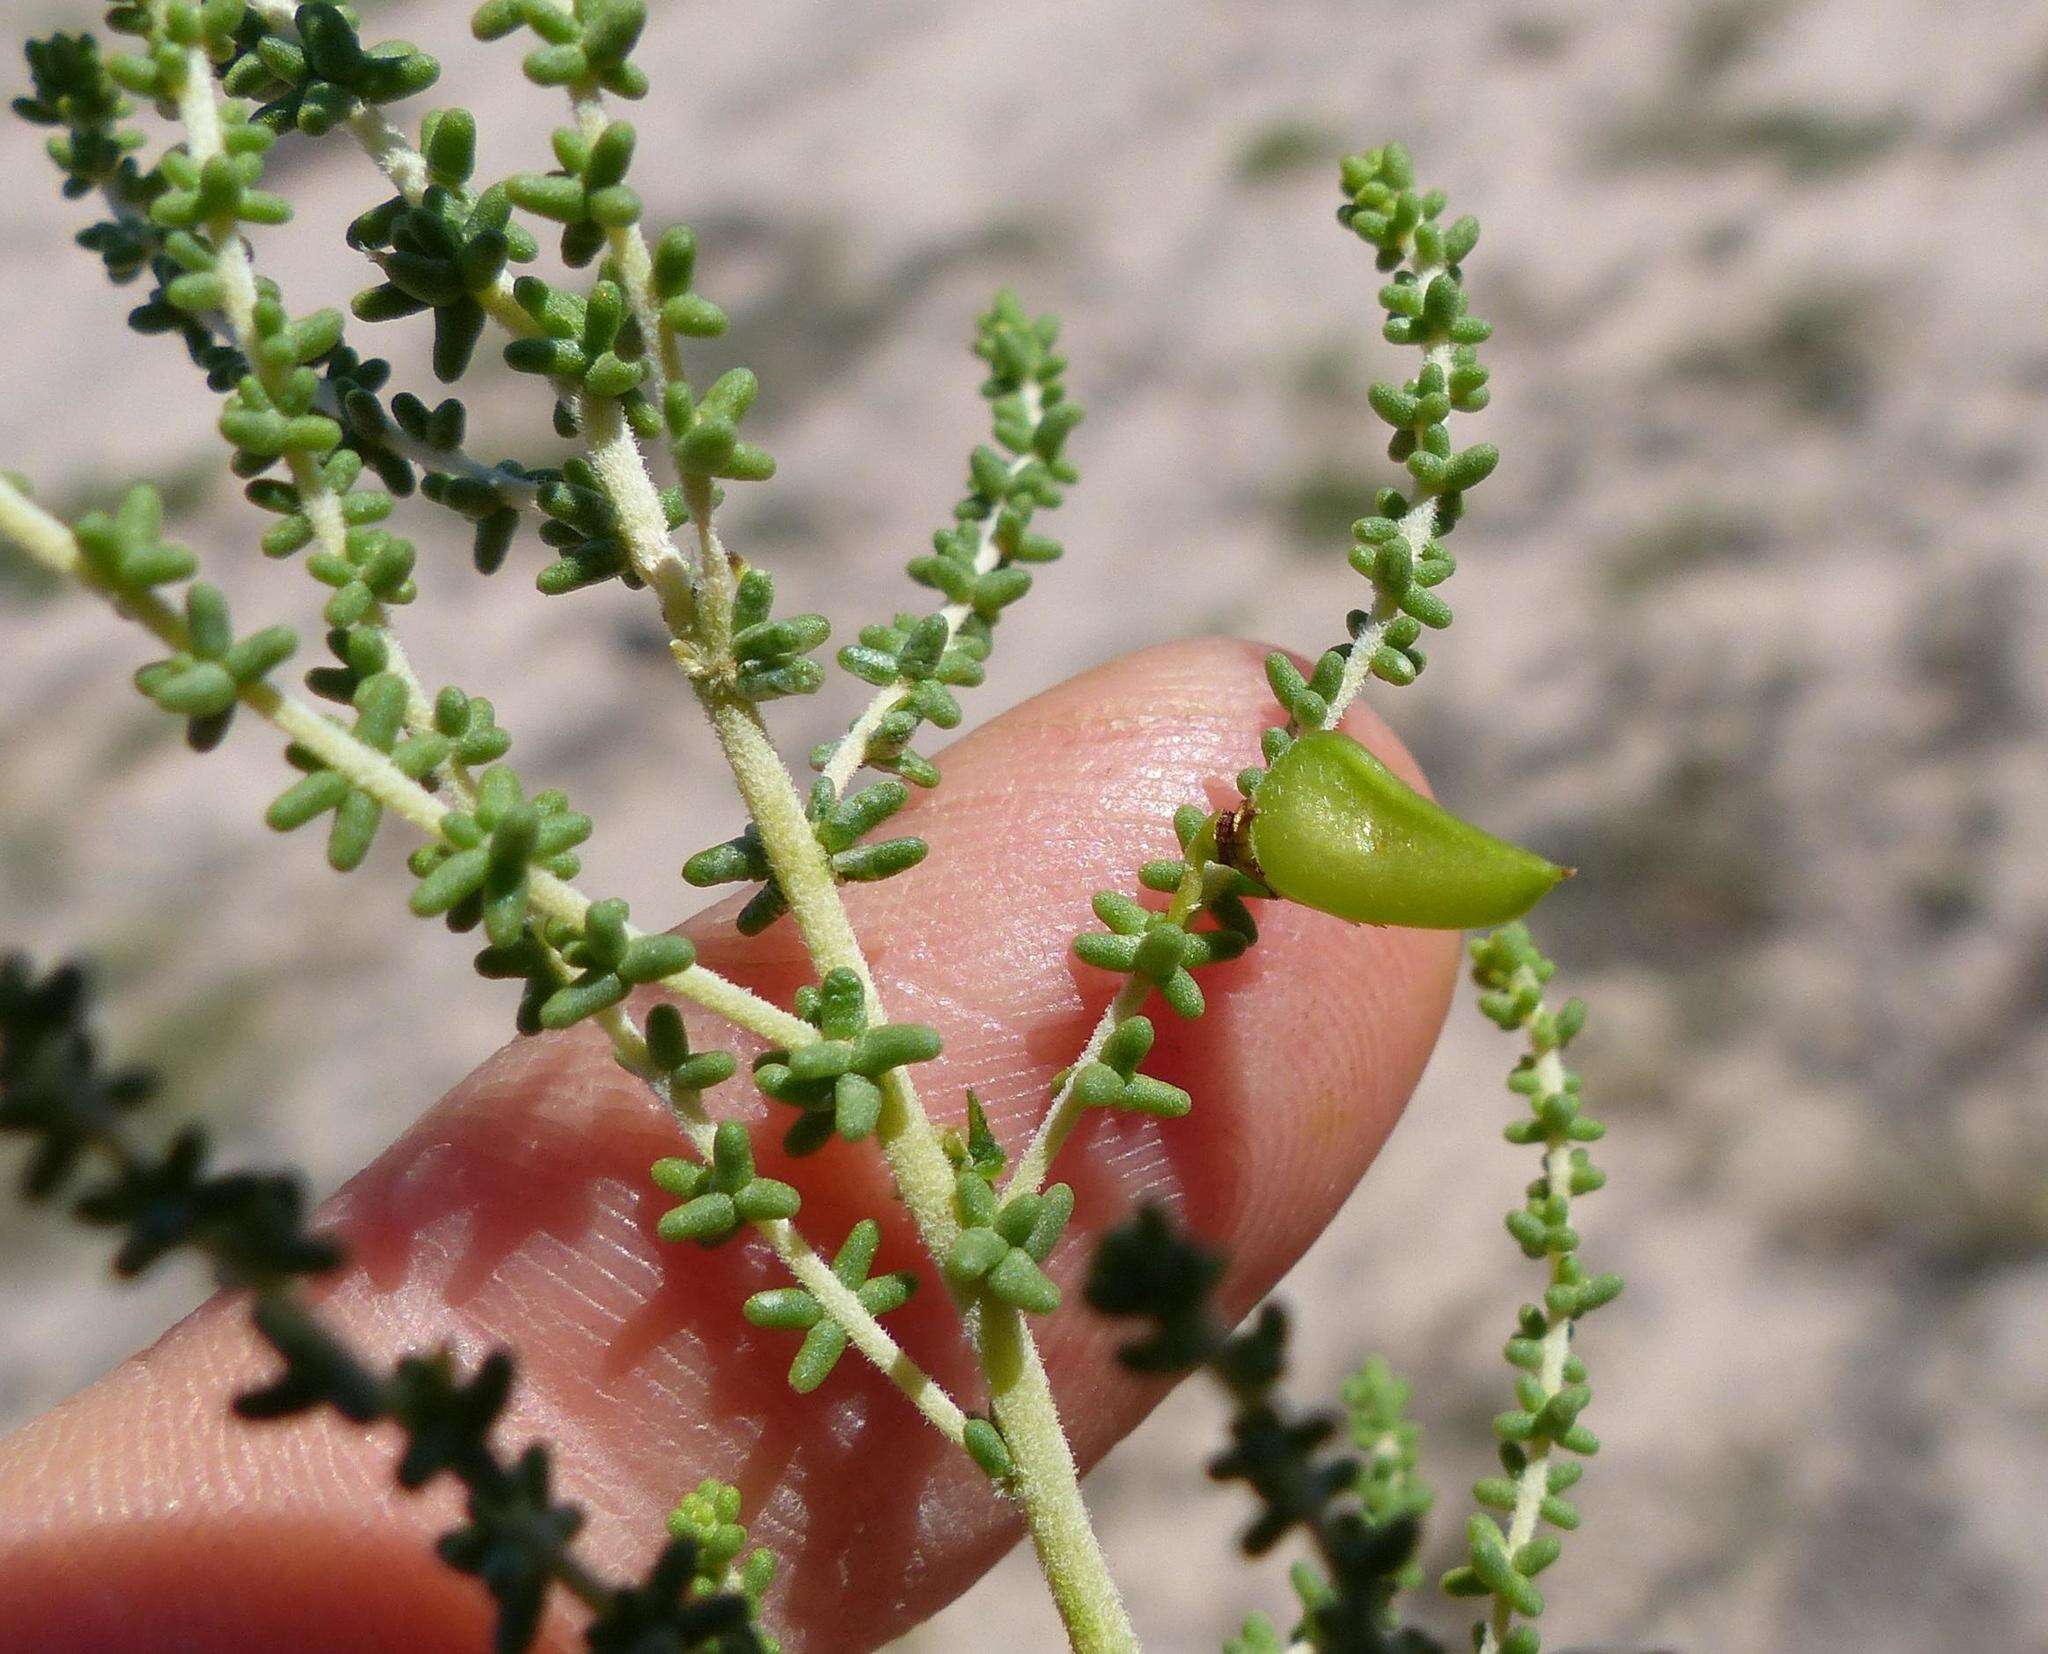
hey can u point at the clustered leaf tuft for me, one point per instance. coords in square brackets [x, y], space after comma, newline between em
[704, 431]
[203, 681]
[792, 1309]
[586, 193]
[1004, 1244]
[583, 47]
[1161, 949]
[840, 825]
[709, 1521]
[1113, 1080]
[583, 528]
[718, 1198]
[126, 552]
[836, 1082]
[74, 91]
[580, 343]
[315, 81]
[445, 253]
[380, 703]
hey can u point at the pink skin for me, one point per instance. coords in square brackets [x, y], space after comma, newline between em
[518, 1210]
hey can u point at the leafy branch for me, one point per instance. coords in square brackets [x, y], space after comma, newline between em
[981, 564]
[1362, 1515]
[1550, 1388]
[611, 356]
[122, 558]
[250, 1228]
[1399, 550]
[1361, 1518]
[634, 499]
[378, 774]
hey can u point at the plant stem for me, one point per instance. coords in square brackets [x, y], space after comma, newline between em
[923, 1174]
[199, 111]
[635, 264]
[1418, 523]
[1048, 1486]
[852, 750]
[642, 523]
[51, 543]
[1047, 1481]
[1533, 1484]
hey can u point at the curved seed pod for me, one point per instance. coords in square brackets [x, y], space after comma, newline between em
[1333, 828]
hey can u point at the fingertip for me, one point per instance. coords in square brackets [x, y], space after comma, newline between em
[519, 1208]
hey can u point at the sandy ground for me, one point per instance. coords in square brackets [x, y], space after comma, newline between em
[1750, 627]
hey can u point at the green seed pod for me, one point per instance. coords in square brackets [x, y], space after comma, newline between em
[1333, 828]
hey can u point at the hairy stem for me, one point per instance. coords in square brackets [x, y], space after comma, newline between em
[1533, 1483]
[1047, 1481]
[642, 524]
[923, 1174]
[1049, 1487]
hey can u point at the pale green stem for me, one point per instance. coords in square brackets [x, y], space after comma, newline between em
[1047, 1481]
[642, 523]
[923, 1174]
[1049, 1486]
[1532, 1486]
[697, 606]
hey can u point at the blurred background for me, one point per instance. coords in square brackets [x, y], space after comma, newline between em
[1750, 627]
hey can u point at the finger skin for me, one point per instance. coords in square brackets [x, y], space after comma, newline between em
[518, 1211]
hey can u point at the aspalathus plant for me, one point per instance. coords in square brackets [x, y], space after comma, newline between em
[556, 269]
